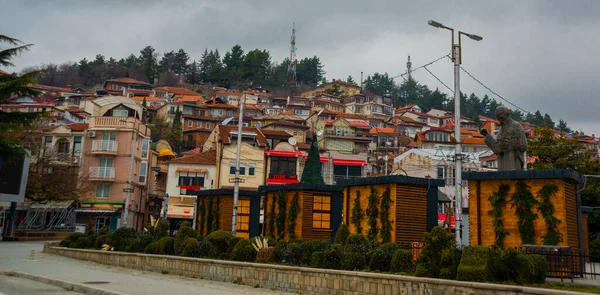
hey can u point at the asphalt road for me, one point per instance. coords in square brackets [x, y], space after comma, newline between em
[18, 286]
[15, 256]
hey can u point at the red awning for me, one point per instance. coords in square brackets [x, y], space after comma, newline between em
[350, 162]
[275, 153]
[190, 187]
[273, 181]
[323, 159]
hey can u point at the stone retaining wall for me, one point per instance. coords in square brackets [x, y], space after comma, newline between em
[293, 279]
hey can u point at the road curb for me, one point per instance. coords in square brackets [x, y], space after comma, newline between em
[63, 284]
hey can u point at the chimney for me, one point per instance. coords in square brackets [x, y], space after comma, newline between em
[361, 80]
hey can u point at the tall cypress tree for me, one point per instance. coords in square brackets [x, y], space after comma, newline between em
[312, 170]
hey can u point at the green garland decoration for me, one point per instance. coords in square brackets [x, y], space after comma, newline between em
[524, 201]
[281, 214]
[372, 214]
[202, 215]
[498, 201]
[357, 214]
[271, 217]
[546, 208]
[291, 222]
[209, 216]
[217, 214]
[386, 224]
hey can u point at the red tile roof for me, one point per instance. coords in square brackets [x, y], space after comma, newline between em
[358, 124]
[148, 98]
[189, 98]
[489, 158]
[272, 133]
[327, 122]
[3, 72]
[221, 106]
[287, 124]
[467, 140]
[78, 126]
[178, 91]
[325, 101]
[205, 158]
[48, 88]
[127, 81]
[225, 131]
[379, 130]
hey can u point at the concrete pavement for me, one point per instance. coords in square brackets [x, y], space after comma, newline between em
[15, 256]
[19, 286]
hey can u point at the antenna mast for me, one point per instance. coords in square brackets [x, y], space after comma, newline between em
[292, 66]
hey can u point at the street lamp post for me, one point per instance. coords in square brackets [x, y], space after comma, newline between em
[457, 59]
[236, 187]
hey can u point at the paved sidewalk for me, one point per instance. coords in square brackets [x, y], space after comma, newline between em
[15, 256]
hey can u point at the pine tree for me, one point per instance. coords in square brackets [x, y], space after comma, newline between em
[176, 132]
[312, 170]
[350, 80]
[144, 108]
[562, 126]
[149, 61]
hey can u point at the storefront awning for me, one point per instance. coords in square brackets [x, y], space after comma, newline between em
[276, 153]
[193, 170]
[98, 211]
[101, 206]
[349, 162]
[442, 198]
[323, 159]
[274, 181]
[180, 211]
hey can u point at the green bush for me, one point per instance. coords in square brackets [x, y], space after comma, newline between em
[219, 240]
[342, 234]
[539, 268]
[104, 230]
[90, 229]
[140, 243]
[122, 238]
[162, 230]
[380, 258]
[450, 262]
[184, 232]
[279, 251]
[595, 249]
[70, 240]
[310, 247]
[190, 248]
[326, 259]
[402, 261]
[243, 251]
[152, 248]
[293, 254]
[232, 242]
[166, 246]
[82, 243]
[102, 240]
[503, 264]
[65, 243]
[204, 248]
[358, 244]
[429, 261]
[266, 255]
[352, 261]
[473, 265]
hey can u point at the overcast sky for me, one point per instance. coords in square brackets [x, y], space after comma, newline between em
[538, 54]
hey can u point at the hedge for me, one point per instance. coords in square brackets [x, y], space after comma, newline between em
[474, 264]
[402, 261]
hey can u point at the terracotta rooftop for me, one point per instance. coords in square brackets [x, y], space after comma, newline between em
[127, 81]
[79, 126]
[3, 72]
[178, 91]
[325, 101]
[148, 98]
[287, 124]
[358, 124]
[225, 132]
[205, 158]
[48, 88]
[379, 130]
[270, 133]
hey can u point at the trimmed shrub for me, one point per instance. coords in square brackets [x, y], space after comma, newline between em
[104, 230]
[595, 249]
[474, 264]
[352, 261]
[90, 229]
[402, 261]
[219, 240]
[190, 248]
[152, 248]
[70, 240]
[232, 242]
[166, 246]
[326, 259]
[266, 255]
[162, 230]
[358, 244]
[102, 240]
[65, 243]
[279, 251]
[503, 264]
[184, 232]
[310, 247]
[342, 234]
[319, 260]
[204, 248]
[140, 243]
[243, 251]
[380, 258]
[82, 243]
[539, 268]
[293, 254]
[450, 262]
[429, 261]
[122, 238]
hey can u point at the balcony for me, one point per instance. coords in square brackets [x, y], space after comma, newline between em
[102, 173]
[104, 147]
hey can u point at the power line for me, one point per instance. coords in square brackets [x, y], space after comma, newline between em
[427, 64]
[439, 79]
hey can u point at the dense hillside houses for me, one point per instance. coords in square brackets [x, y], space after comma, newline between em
[131, 167]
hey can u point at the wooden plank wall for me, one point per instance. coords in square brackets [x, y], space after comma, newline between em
[411, 213]
[572, 233]
[308, 233]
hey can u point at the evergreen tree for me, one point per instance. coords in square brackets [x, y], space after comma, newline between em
[149, 61]
[233, 63]
[350, 80]
[193, 76]
[144, 110]
[310, 71]
[167, 61]
[180, 65]
[562, 126]
[548, 121]
[257, 64]
[312, 170]
[176, 132]
[204, 65]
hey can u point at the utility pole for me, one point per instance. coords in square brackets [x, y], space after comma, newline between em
[457, 59]
[129, 188]
[236, 187]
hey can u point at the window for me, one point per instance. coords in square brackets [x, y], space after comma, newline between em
[105, 169]
[190, 123]
[120, 112]
[282, 167]
[441, 173]
[189, 183]
[232, 169]
[242, 169]
[47, 170]
[145, 143]
[103, 190]
[62, 148]
[251, 169]
[229, 113]
[258, 124]
[47, 144]
[143, 171]
[198, 124]
[207, 125]
[76, 146]
[243, 219]
[322, 212]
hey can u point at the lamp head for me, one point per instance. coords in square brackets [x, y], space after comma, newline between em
[435, 24]
[475, 37]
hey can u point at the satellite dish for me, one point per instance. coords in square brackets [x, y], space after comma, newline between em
[319, 132]
[292, 141]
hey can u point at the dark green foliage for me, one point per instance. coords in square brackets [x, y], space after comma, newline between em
[102, 240]
[357, 214]
[243, 251]
[538, 267]
[309, 247]
[352, 261]
[209, 216]
[232, 242]
[266, 255]
[474, 264]
[190, 247]
[381, 258]
[450, 261]
[429, 261]
[545, 207]
[220, 242]
[522, 271]
[524, 202]
[70, 240]
[342, 234]
[185, 231]
[312, 172]
[326, 259]
[203, 249]
[166, 246]
[293, 254]
[595, 249]
[402, 261]
[64, 243]
[217, 214]
[122, 238]
[503, 263]
[294, 211]
[202, 216]
[162, 230]
[358, 244]
[271, 218]
[139, 244]
[281, 213]
[82, 243]
[372, 214]
[279, 251]
[498, 202]
[386, 223]
[90, 229]
[104, 230]
[152, 248]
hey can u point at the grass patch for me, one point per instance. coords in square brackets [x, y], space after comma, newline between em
[567, 287]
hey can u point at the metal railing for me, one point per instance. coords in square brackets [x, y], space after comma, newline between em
[102, 172]
[566, 262]
[104, 146]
